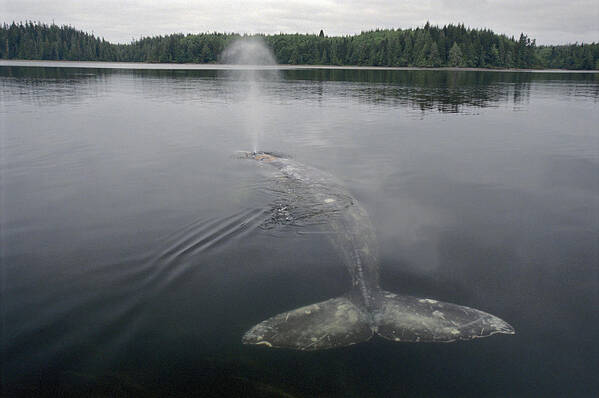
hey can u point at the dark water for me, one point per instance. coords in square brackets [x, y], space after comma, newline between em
[135, 252]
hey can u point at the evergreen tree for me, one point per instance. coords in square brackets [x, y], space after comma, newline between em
[455, 56]
[433, 58]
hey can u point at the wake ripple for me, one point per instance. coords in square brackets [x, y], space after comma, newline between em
[200, 236]
[124, 309]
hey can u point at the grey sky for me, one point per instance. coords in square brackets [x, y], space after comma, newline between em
[549, 21]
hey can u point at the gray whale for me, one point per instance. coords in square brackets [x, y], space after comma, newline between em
[366, 309]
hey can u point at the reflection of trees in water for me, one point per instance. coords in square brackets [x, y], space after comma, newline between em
[175, 73]
[51, 85]
[206, 86]
[449, 90]
[47, 86]
[441, 99]
[425, 90]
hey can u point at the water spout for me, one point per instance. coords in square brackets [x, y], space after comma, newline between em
[253, 67]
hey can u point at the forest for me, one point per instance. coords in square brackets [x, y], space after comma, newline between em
[427, 46]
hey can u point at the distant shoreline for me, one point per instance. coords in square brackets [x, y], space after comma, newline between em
[177, 66]
[430, 46]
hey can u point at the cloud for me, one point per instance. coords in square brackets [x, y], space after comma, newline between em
[549, 21]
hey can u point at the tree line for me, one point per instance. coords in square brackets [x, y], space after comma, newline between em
[428, 46]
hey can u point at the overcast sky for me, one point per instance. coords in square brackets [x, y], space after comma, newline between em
[549, 21]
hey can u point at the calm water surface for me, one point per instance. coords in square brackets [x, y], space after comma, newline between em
[136, 251]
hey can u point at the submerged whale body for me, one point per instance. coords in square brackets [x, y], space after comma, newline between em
[366, 309]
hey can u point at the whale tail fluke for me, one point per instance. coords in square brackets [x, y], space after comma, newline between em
[332, 323]
[339, 322]
[412, 319]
